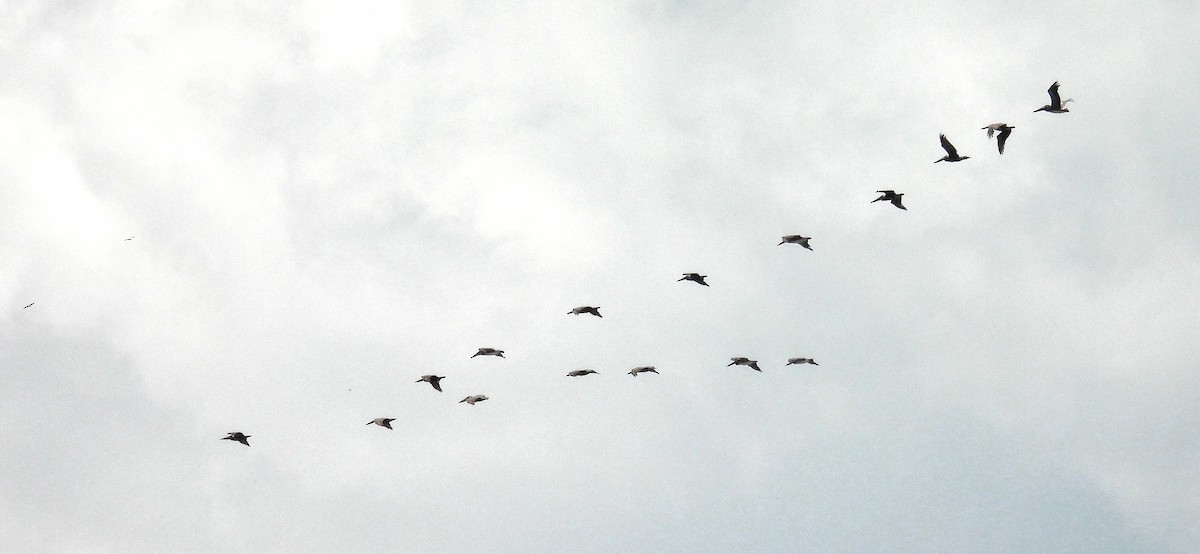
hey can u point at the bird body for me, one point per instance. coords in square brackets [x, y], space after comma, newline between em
[796, 239]
[951, 153]
[694, 277]
[891, 196]
[1004, 129]
[1056, 105]
[473, 399]
[239, 437]
[489, 352]
[642, 369]
[792, 361]
[581, 372]
[28, 305]
[594, 310]
[752, 364]
[432, 380]
[383, 421]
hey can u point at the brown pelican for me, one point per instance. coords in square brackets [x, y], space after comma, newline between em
[797, 239]
[746, 362]
[594, 310]
[802, 361]
[238, 436]
[951, 153]
[488, 352]
[473, 399]
[382, 421]
[642, 369]
[582, 372]
[1004, 129]
[28, 305]
[694, 277]
[432, 380]
[891, 196]
[1055, 105]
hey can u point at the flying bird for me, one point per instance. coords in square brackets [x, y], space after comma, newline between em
[797, 239]
[473, 399]
[594, 310]
[642, 369]
[130, 238]
[1004, 129]
[488, 352]
[1055, 105]
[951, 153]
[432, 380]
[582, 372]
[753, 364]
[28, 305]
[802, 361]
[383, 421]
[891, 196]
[695, 277]
[238, 436]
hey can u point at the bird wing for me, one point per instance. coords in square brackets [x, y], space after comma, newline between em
[1003, 137]
[437, 385]
[896, 202]
[948, 147]
[1055, 101]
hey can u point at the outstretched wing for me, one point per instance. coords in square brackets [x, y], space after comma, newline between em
[948, 147]
[1055, 101]
[1003, 137]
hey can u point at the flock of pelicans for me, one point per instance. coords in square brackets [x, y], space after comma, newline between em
[1000, 131]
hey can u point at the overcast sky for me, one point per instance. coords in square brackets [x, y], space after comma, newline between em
[330, 199]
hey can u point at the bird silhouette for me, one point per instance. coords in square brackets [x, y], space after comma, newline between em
[792, 361]
[239, 437]
[797, 239]
[642, 369]
[581, 372]
[383, 421]
[1055, 105]
[951, 153]
[891, 196]
[752, 364]
[1004, 129]
[594, 310]
[473, 399]
[432, 380]
[695, 277]
[489, 352]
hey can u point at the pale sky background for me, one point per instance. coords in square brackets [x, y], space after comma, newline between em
[331, 199]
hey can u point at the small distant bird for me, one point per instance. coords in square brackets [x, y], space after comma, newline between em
[642, 369]
[695, 277]
[891, 196]
[130, 238]
[594, 310]
[802, 361]
[1055, 105]
[951, 153]
[488, 352]
[796, 239]
[383, 421]
[432, 380]
[238, 436]
[28, 305]
[753, 364]
[1004, 129]
[473, 399]
[582, 372]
